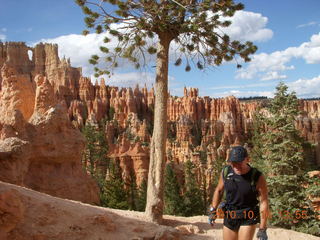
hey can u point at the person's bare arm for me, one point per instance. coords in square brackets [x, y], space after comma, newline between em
[264, 204]
[218, 192]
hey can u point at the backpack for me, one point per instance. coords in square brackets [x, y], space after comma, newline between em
[253, 180]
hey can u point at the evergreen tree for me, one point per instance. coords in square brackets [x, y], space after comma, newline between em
[102, 161]
[312, 226]
[111, 113]
[256, 142]
[139, 26]
[192, 197]
[204, 193]
[217, 168]
[132, 191]
[282, 156]
[88, 159]
[172, 196]
[214, 173]
[204, 184]
[142, 196]
[95, 155]
[114, 194]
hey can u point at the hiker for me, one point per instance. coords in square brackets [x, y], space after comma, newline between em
[246, 199]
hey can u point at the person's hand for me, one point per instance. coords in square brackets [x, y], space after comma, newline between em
[212, 215]
[262, 234]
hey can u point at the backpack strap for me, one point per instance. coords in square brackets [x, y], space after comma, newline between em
[254, 179]
[253, 176]
[225, 172]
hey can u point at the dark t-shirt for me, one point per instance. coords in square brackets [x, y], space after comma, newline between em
[239, 191]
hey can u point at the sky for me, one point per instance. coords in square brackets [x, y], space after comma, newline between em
[286, 32]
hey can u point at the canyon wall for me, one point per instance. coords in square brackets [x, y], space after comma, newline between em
[199, 128]
[39, 147]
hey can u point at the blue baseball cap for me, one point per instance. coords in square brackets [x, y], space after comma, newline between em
[237, 154]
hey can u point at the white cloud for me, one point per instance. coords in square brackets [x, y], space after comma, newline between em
[131, 79]
[240, 94]
[243, 86]
[307, 24]
[249, 26]
[242, 90]
[306, 88]
[273, 75]
[310, 51]
[3, 37]
[78, 48]
[263, 64]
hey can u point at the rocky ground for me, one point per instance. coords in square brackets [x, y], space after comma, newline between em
[29, 215]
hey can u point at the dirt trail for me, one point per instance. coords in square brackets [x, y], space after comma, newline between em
[30, 215]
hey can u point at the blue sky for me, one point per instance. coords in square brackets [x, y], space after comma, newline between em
[287, 34]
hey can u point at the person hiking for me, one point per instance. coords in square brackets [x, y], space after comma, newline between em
[246, 199]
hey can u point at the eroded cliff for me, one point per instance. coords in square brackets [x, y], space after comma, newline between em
[39, 147]
[199, 128]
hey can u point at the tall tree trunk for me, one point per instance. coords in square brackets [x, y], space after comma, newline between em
[154, 207]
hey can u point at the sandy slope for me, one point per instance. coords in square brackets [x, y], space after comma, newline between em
[29, 215]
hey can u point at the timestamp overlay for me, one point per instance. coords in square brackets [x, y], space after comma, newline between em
[294, 215]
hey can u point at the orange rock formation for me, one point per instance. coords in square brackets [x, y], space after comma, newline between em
[196, 124]
[39, 147]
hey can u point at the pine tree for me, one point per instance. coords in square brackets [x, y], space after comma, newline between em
[95, 155]
[88, 159]
[204, 193]
[283, 160]
[142, 196]
[172, 193]
[313, 192]
[114, 194]
[95, 159]
[214, 173]
[192, 197]
[137, 27]
[132, 191]
[218, 164]
[256, 142]
[102, 161]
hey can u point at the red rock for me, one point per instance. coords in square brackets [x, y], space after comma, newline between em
[45, 97]
[17, 93]
[42, 151]
[214, 124]
[12, 211]
[104, 221]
